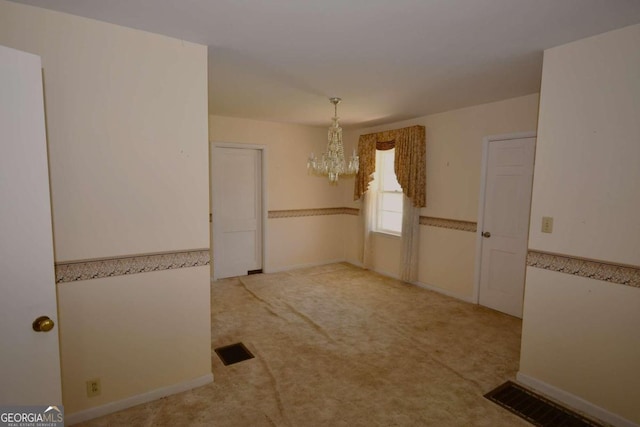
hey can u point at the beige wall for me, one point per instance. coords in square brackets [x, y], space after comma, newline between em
[454, 159]
[580, 335]
[587, 162]
[127, 138]
[297, 241]
[137, 333]
[124, 120]
[305, 241]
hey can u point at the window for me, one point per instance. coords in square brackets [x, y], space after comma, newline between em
[389, 200]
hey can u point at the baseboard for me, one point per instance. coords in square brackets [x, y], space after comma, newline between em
[428, 287]
[109, 408]
[386, 274]
[355, 263]
[295, 267]
[312, 264]
[574, 401]
[444, 292]
[381, 272]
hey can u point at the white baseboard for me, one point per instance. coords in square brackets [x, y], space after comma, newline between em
[109, 408]
[444, 292]
[574, 401]
[297, 266]
[429, 287]
[386, 274]
[355, 263]
[381, 272]
[268, 270]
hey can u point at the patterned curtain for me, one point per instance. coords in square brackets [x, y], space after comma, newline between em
[367, 154]
[410, 162]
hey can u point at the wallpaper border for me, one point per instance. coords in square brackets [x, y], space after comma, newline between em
[74, 271]
[592, 269]
[453, 224]
[293, 213]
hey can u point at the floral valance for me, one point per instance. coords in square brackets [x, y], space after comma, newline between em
[410, 161]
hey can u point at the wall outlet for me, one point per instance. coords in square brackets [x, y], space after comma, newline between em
[93, 387]
[547, 224]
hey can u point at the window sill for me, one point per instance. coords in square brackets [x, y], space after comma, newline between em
[388, 234]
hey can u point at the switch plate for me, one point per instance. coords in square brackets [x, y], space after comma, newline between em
[547, 224]
[93, 387]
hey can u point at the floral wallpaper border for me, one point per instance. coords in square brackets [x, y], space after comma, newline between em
[453, 224]
[292, 213]
[120, 266]
[598, 270]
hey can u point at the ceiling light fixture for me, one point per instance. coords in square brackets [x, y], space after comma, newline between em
[332, 163]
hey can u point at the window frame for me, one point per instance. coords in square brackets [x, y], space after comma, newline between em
[381, 175]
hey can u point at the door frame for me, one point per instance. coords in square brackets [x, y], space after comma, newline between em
[481, 202]
[262, 151]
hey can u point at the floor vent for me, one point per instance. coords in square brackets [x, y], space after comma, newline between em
[258, 271]
[535, 408]
[233, 353]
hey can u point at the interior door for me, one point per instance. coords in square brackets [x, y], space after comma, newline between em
[237, 211]
[507, 204]
[29, 360]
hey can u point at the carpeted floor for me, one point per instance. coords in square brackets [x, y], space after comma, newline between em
[339, 346]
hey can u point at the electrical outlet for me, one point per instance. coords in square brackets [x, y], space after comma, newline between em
[547, 224]
[93, 387]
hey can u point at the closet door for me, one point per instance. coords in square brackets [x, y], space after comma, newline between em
[505, 225]
[237, 211]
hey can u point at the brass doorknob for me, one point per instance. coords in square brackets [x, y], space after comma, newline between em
[486, 234]
[43, 324]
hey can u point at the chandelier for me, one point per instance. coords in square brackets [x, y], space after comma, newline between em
[332, 163]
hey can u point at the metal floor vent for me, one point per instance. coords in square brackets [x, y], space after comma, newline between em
[233, 353]
[535, 408]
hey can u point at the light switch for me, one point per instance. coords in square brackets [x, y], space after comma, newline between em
[547, 224]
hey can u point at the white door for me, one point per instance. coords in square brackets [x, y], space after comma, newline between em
[29, 360]
[505, 223]
[237, 211]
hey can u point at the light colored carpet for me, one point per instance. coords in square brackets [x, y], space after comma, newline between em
[340, 346]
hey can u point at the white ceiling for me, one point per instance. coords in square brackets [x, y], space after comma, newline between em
[389, 60]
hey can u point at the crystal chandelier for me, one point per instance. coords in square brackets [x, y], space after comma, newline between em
[332, 163]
